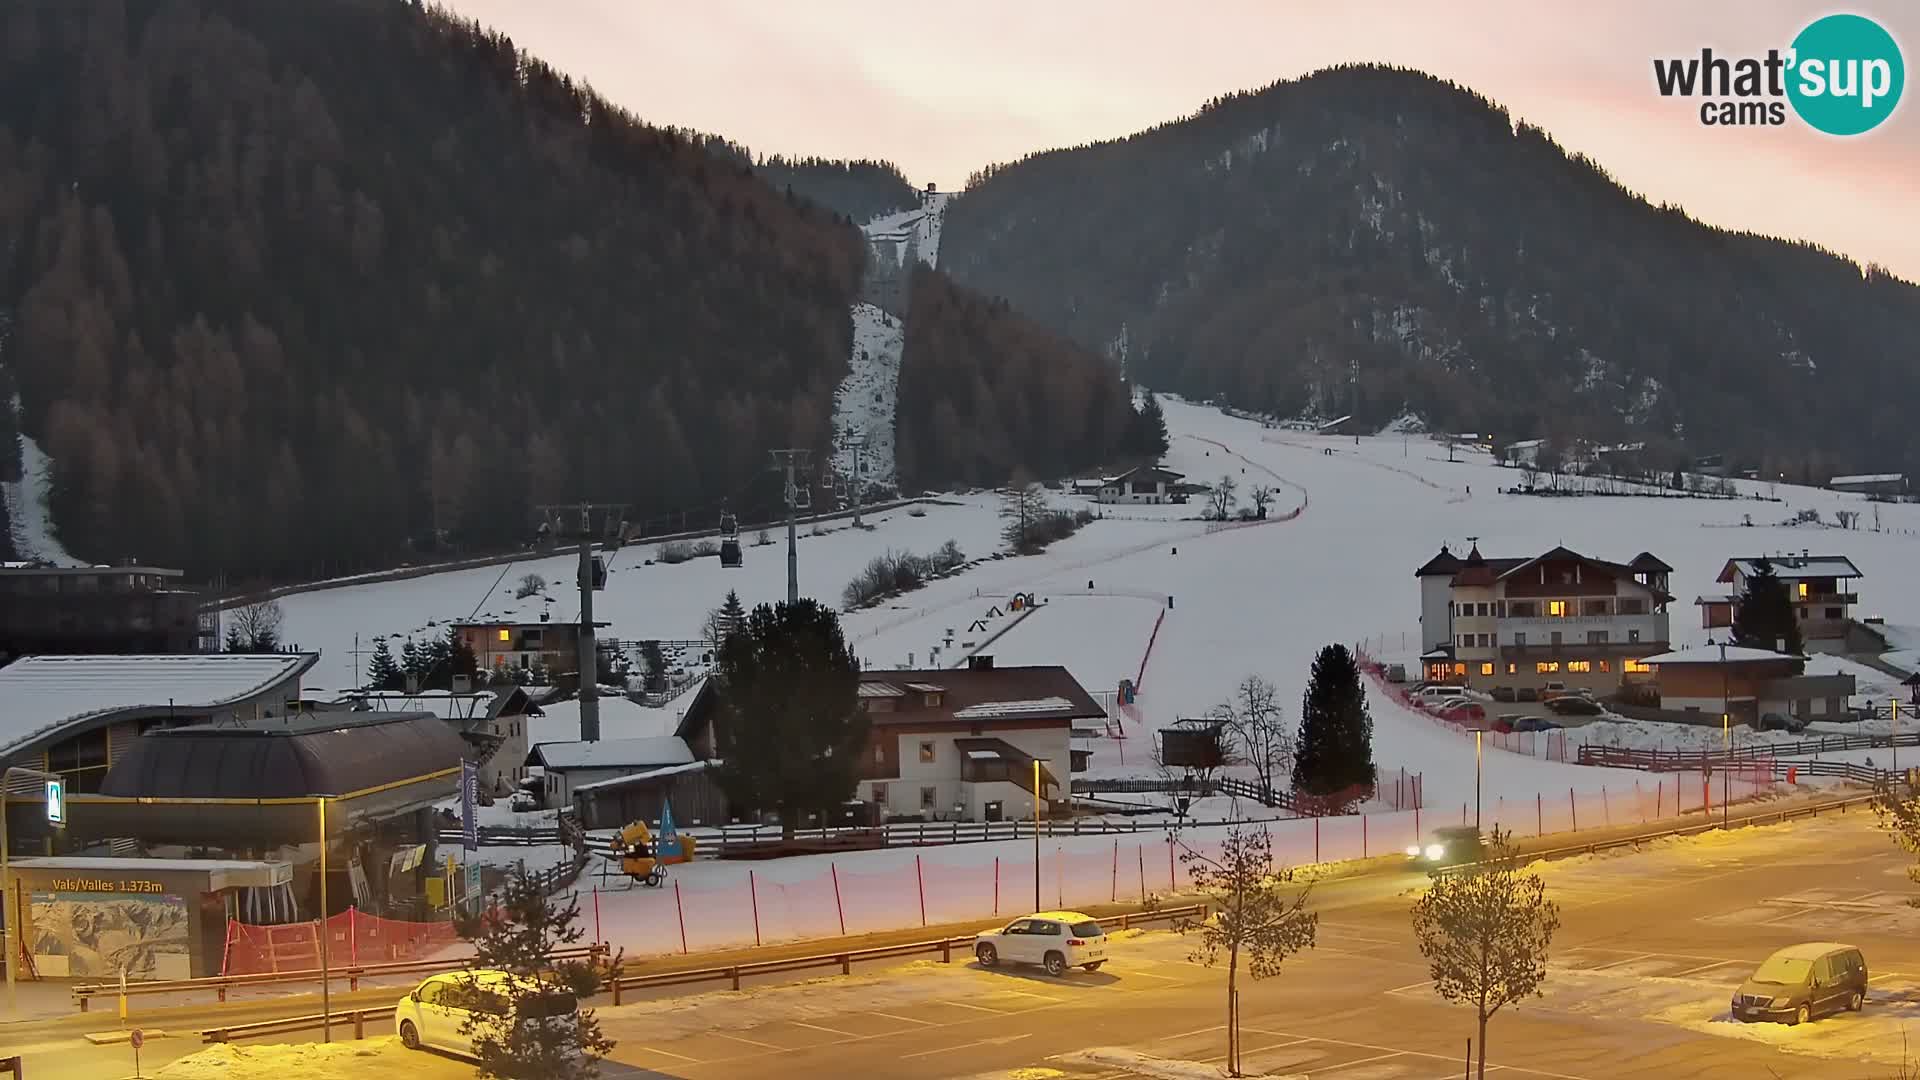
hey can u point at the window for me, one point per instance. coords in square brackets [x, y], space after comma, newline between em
[879, 754]
[1593, 607]
[1631, 605]
[506, 634]
[1523, 609]
[1459, 669]
[1520, 639]
[926, 753]
[1579, 667]
[933, 701]
[1486, 669]
[880, 794]
[1466, 641]
[1485, 609]
[1556, 608]
[1633, 636]
[1513, 669]
[1596, 637]
[1605, 666]
[1803, 590]
[929, 798]
[1546, 667]
[1500, 609]
[1636, 667]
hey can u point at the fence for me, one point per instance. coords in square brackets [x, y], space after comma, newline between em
[1738, 760]
[355, 938]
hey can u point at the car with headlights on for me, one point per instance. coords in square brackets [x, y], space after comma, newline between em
[1451, 845]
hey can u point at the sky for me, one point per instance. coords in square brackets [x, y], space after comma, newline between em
[943, 90]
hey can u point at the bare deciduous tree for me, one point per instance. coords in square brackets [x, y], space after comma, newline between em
[1221, 501]
[1897, 806]
[255, 627]
[1022, 503]
[1259, 731]
[1257, 913]
[530, 585]
[1262, 495]
[1485, 930]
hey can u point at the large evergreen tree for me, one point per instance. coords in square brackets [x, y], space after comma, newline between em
[1333, 753]
[1147, 431]
[382, 672]
[1764, 618]
[459, 660]
[788, 729]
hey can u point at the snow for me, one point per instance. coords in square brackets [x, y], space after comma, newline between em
[1791, 567]
[864, 403]
[614, 753]
[310, 1061]
[988, 710]
[620, 718]
[33, 533]
[47, 692]
[1866, 478]
[650, 774]
[1714, 654]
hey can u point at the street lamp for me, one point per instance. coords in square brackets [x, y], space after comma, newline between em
[1036, 834]
[12, 913]
[1726, 736]
[1476, 779]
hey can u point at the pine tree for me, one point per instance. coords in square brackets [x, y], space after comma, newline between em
[436, 659]
[460, 658]
[1765, 618]
[382, 672]
[1334, 751]
[234, 642]
[518, 935]
[731, 613]
[1147, 431]
[788, 730]
[656, 664]
[413, 661]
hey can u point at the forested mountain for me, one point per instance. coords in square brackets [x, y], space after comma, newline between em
[294, 283]
[1369, 240]
[858, 190]
[986, 394]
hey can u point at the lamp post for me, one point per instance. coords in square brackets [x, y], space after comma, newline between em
[11, 912]
[1726, 736]
[1036, 834]
[1476, 780]
[326, 983]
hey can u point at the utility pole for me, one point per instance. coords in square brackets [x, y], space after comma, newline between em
[794, 463]
[587, 650]
[859, 444]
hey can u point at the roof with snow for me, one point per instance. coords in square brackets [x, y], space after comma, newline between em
[1868, 478]
[612, 753]
[1475, 569]
[647, 777]
[44, 697]
[1792, 567]
[1146, 472]
[1713, 654]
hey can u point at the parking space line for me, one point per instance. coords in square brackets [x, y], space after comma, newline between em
[1617, 963]
[906, 1019]
[1363, 1061]
[1151, 975]
[749, 1042]
[1198, 1031]
[1410, 986]
[1029, 993]
[998, 1040]
[669, 1053]
[819, 1027]
[977, 1008]
[1702, 967]
[1522, 1069]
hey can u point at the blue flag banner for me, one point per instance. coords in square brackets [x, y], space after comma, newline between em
[469, 800]
[669, 836]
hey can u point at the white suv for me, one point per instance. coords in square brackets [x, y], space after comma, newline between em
[1056, 940]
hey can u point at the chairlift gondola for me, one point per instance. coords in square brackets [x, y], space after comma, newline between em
[730, 542]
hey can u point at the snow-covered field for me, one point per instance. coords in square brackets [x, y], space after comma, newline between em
[27, 513]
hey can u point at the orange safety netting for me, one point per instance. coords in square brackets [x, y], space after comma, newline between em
[354, 938]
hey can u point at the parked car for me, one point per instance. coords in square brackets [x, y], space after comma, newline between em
[1555, 690]
[1452, 845]
[1802, 982]
[1534, 723]
[1575, 705]
[1774, 721]
[438, 1010]
[1437, 693]
[1462, 711]
[1502, 724]
[1527, 693]
[1503, 693]
[1056, 940]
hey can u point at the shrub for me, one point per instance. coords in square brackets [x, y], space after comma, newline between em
[892, 574]
[679, 551]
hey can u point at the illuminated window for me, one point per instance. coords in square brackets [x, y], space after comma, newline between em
[1546, 667]
[1803, 590]
[926, 753]
[1486, 669]
[1513, 669]
[506, 634]
[1635, 667]
[1579, 667]
[1459, 669]
[1606, 666]
[1556, 607]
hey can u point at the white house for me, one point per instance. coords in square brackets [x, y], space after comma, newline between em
[1146, 484]
[1523, 453]
[571, 765]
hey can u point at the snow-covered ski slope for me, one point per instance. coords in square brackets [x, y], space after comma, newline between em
[1256, 599]
[864, 403]
[33, 536]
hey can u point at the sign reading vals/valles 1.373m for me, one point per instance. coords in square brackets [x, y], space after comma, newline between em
[104, 885]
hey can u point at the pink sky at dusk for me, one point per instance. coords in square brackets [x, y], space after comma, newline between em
[942, 90]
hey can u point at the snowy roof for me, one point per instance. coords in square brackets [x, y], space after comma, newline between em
[612, 753]
[1712, 654]
[1714, 598]
[1526, 444]
[986, 710]
[1794, 567]
[650, 774]
[983, 755]
[880, 690]
[925, 688]
[1868, 478]
[41, 695]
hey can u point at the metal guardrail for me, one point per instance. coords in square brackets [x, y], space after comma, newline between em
[1685, 760]
[733, 973]
[353, 973]
[355, 1018]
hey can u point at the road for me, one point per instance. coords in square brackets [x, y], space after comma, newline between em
[1651, 946]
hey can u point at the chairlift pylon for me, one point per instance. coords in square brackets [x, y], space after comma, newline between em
[730, 556]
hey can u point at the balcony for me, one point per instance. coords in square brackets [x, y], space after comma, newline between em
[1827, 599]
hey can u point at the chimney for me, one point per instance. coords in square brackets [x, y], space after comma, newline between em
[979, 662]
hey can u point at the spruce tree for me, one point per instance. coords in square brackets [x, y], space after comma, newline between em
[235, 642]
[518, 934]
[383, 673]
[1765, 617]
[413, 661]
[1334, 751]
[436, 658]
[460, 659]
[731, 614]
[1148, 434]
[788, 730]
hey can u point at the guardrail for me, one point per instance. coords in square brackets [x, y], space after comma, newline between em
[356, 1018]
[1684, 760]
[733, 973]
[353, 973]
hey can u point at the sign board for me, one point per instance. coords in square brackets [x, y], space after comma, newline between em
[137, 1037]
[473, 880]
[57, 802]
[469, 801]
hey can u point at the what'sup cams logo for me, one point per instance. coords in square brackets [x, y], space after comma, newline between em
[1842, 75]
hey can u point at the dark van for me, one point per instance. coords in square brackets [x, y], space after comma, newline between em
[1801, 982]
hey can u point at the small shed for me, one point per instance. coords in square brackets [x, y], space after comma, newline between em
[570, 765]
[1194, 744]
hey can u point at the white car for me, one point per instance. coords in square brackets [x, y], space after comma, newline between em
[438, 1010]
[1440, 694]
[1056, 940]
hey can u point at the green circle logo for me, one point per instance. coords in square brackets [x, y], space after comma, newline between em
[1846, 74]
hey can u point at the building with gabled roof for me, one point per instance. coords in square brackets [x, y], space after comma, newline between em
[1559, 616]
[1144, 484]
[1820, 588]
